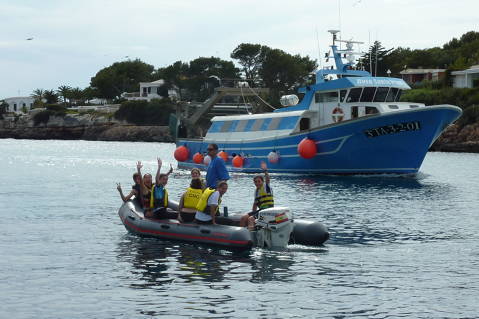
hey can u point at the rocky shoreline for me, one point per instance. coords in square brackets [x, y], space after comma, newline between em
[83, 127]
[101, 128]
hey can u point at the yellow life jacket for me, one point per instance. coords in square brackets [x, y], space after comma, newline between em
[154, 202]
[202, 205]
[263, 199]
[192, 197]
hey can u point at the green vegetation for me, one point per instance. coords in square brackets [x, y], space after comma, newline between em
[51, 110]
[156, 112]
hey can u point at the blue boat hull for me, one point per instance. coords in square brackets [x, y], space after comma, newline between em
[394, 143]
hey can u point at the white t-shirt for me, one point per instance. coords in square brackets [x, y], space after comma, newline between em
[213, 200]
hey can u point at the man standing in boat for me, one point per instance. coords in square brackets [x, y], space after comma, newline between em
[216, 169]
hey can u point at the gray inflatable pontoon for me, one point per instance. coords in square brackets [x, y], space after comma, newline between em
[226, 233]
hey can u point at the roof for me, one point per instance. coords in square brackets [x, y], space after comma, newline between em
[421, 71]
[257, 116]
[472, 69]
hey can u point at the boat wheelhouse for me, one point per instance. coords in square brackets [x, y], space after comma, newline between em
[352, 123]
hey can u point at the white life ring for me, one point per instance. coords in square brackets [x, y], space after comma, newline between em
[338, 114]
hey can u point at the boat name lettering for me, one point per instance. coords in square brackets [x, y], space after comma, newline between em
[393, 129]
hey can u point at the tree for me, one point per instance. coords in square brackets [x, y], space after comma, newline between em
[121, 77]
[283, 72]
[250, 57]
[374, 60]
[50, 96]
[3, 109]
[64, 92]
[174, 75]
[37, 95]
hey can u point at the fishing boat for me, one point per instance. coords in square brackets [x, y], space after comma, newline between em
[275, 228]
[348, 122]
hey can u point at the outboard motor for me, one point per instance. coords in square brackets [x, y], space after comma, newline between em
[274, 227]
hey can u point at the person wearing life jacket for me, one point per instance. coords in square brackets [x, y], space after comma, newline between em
[263, 198]
[135, 190]
[159, 198]
[209, 203]
[189, 200]
[196, 174]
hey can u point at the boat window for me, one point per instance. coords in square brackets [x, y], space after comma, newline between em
[326, 97]
[288, 123]
[215, 127]
[265, 124]
[226, 126]
[249, 125]
[354, 112]
[241, 125]
[413, 106]
[371, 110]
[257, 125]
[273, 125]
[368, 94]
[381, 94]
[304, 124]
[234, 124]
[354, 95]
[393, 107]
[398, 96]
[342, 95]
[392, 94]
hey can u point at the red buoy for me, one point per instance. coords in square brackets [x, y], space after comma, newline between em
[273, 157]
[198, 158]
[238, 161]
[307, 148]
[223, 155]
[181, 153]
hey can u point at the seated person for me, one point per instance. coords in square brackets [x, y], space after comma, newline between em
[263, 198]
[135, 190]
[196, 174]
[159, 198]
[209, 203]
[189, 200]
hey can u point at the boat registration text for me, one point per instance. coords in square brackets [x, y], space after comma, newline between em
[393, 129]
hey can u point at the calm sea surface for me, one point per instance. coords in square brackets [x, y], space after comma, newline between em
[399, 247]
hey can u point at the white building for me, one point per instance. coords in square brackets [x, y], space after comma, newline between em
[151, 90]
[467, 78]
[19, 104]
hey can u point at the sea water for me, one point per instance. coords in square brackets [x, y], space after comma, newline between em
[400, 246]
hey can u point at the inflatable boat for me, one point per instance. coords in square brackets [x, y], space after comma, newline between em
[276, 228]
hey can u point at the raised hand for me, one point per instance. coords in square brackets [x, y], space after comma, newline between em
[139, 165]
[118, 187]
[264, 167]
[171, 169]
[159, 162]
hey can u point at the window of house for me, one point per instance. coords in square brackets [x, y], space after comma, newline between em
[392, 94]
[381, 94]
[14, 106]
[368, 94]
[354, 95]
[149, 89]
[144, 90]
[354, 112]
[24, 105]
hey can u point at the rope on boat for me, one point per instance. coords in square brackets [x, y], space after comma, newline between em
[259, 97]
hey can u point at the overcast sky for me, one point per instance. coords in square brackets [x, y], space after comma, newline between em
[72, 40]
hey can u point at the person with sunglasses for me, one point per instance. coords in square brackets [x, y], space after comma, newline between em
[216, 169]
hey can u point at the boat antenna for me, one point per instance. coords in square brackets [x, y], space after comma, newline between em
[319, 50]
[370, 53]
[339, 22]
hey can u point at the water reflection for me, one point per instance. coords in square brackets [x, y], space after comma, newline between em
[155, 263]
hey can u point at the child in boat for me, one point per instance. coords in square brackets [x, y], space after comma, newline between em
[189, 200]
[155, 199]
[135, 190]
[263, 198]
[196, 174]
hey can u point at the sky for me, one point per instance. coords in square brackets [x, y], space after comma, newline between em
[74, 39]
